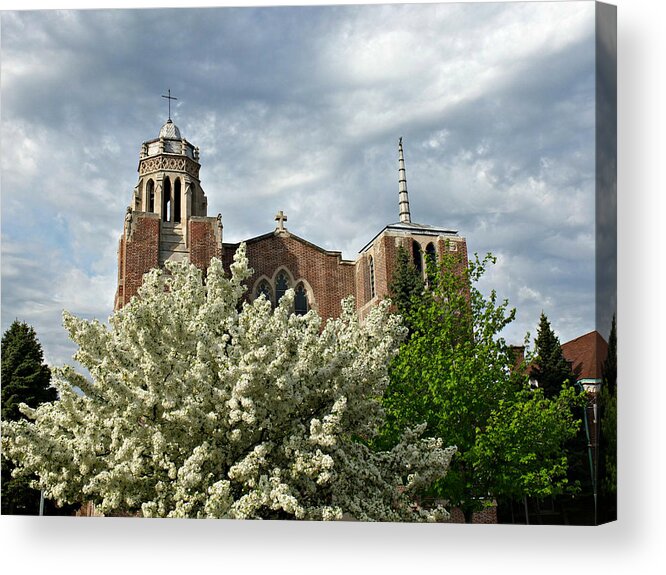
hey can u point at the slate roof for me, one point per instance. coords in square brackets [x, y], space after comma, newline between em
[586, 354]
[170, 131]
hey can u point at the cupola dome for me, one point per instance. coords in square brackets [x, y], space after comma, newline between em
[170, 131]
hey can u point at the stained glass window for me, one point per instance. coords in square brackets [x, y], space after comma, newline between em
[281, 286]
[301, 300]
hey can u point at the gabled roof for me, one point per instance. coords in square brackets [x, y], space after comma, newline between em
[586, 354]
[287, 234]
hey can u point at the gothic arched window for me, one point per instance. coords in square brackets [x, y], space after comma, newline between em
[138, 197]
[430, 261]
[430, 252]
[166, 200]
[264, 288]
[301, 300]
[281, 286]
[416, 253]
[371, 269]
[176, 200]
[150, 196]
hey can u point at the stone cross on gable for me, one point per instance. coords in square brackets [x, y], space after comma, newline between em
[280, 218]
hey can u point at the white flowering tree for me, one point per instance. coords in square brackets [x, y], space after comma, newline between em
[200, 406]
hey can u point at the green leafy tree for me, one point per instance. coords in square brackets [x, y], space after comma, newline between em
[407, 285]
[25, 379]
[456, 374]
[521, 448]
[199, 407]
[550, 369]
[553, 373]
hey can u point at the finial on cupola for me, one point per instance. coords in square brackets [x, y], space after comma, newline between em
[403, 197]
[169, 98]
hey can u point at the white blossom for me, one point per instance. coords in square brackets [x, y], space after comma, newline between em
[200, 407]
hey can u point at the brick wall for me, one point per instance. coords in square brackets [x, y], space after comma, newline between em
[488, 515]
[137, 254]
[362, 279]
[460, 249]
[204, 241]
[384, 252]
[120, 293]
[328, 277]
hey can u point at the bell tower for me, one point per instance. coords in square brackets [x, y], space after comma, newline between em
[377, 262]
[167, 217]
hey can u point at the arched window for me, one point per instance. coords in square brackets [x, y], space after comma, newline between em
[431, 261]
[371, 269]
[138, 198]
[264, 288]
[301, 300]
[150, 196]
[281, 286]
[416, 253]
[166, 200]
[430, 252]
[176, 200]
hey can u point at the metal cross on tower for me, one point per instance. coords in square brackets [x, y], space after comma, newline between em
[169, 98]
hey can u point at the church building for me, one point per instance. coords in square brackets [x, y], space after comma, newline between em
[168, 220]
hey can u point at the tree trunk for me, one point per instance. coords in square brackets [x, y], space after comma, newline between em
[527, 514]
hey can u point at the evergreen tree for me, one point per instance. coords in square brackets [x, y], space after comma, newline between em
[552, 372]
[407, 285]
[608, 435]
[25, 379]
[551, 369]
[609, 367]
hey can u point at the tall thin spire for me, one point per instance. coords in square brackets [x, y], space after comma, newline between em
[403, 198]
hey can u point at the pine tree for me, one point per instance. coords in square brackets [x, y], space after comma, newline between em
[609, 367]
[608, 432]
[551, 369]
[407, 284]
[25, 376]
[25, 379]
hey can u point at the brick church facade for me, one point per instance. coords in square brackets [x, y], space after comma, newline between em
[167, 220]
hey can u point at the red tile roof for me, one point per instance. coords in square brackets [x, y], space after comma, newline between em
[586, 354]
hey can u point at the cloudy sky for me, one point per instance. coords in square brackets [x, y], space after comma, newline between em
[300, 109]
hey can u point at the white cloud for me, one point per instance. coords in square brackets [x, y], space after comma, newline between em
[300, 110]
[526, 293]
[37, 289]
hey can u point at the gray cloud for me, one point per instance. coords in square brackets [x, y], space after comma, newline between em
[300, 109]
